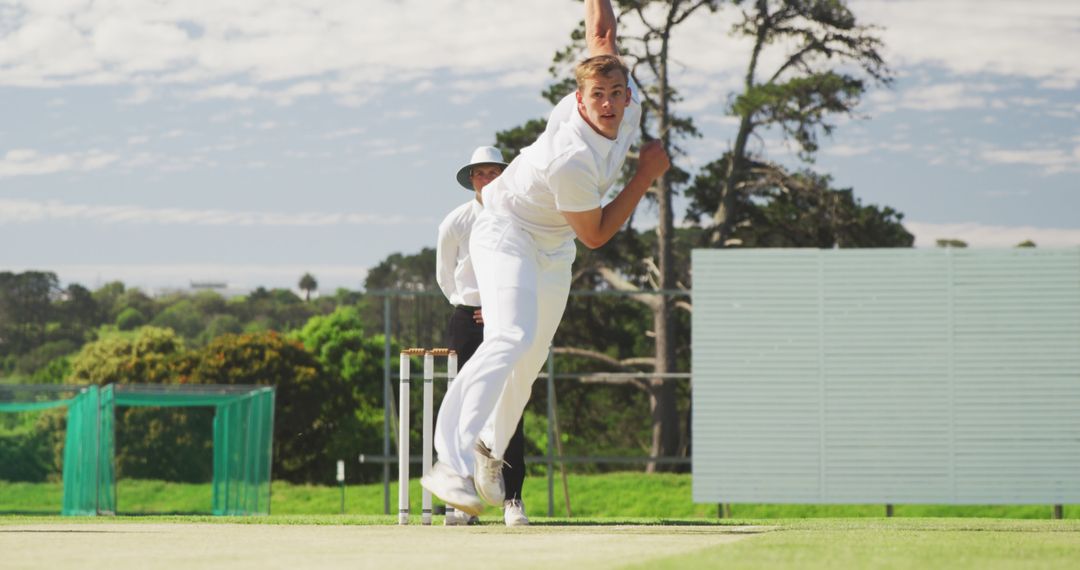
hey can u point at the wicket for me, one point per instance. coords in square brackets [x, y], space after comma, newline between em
[428, 424]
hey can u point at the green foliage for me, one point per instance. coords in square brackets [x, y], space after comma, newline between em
[511, 141]
[24, 449]
[26, 307]
[181, 317]
[337, 340]
[167, 443]
[41, 355]
[310, 404]
[220, 325]
[277, 309]
[800, 105]
[151, 355]
[948, 242]
[777, 208]
[404, 272]
[130, 319]
[55, 372]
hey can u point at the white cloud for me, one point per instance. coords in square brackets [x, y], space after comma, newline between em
[29, 162]
[227, 91]
[945, 97]
[1051, 160]
[983, 235]
[113, 41]
[13, 211]
[142, 94]
[1063, 83]
[401, 114]
[342, 133]
[1025, 39]
[247, 49]
[846, 150]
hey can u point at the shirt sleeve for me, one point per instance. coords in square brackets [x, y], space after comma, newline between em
[446, 254]
[575, 184]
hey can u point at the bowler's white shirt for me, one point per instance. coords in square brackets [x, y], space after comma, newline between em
[569, 168]
[454, 267]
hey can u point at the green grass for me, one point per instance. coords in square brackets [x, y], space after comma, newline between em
[624, 495]
[894, 543]
[784, 544]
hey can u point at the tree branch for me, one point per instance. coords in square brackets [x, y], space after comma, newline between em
[619, 283]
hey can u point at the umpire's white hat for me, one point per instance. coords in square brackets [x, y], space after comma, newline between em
[482, 155]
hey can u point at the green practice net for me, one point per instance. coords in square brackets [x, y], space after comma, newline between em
[243, 440]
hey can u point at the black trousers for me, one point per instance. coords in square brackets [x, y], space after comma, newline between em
[465, 337]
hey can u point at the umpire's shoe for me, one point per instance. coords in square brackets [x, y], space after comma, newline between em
[453, 489]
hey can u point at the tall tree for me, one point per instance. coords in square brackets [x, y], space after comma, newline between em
[25, 309]
[810, 85]
[418, 310]
[829, 61]
[307, 285]
[649, 56]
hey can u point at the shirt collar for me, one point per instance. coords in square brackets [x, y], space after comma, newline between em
[596, 141]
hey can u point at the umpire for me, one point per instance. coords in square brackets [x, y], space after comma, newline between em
[466, 330]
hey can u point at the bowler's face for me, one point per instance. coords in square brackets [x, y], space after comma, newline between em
[602, 101]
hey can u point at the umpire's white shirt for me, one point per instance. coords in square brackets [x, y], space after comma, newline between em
[454, 268]
[569, 168]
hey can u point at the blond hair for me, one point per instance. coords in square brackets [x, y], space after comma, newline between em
[599, 65]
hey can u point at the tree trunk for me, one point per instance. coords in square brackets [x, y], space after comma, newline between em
[662, 404]
[724, 218]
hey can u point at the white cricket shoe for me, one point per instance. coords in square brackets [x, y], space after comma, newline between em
[514, 513]
[488, 476]
[453, 489]
[455, 517]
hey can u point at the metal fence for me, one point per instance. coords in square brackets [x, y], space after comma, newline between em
[552, 456]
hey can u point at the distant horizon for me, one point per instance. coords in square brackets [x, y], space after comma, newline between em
[330, 278]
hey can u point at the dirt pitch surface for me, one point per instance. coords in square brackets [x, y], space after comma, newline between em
[131, 546]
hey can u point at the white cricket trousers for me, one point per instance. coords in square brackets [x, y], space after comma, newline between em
[523, 290]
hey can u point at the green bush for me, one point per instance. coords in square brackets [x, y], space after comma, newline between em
[130, 319]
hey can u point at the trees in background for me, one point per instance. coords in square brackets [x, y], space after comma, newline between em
[311, 407]
[307, 285]
[827, 61]
[327, 396]
[809, 64]
[355, 359]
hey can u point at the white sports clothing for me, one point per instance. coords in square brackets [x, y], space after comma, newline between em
[569, 168]
[522, 249]
[454, 271]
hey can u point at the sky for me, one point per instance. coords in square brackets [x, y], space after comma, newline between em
[161, 142]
